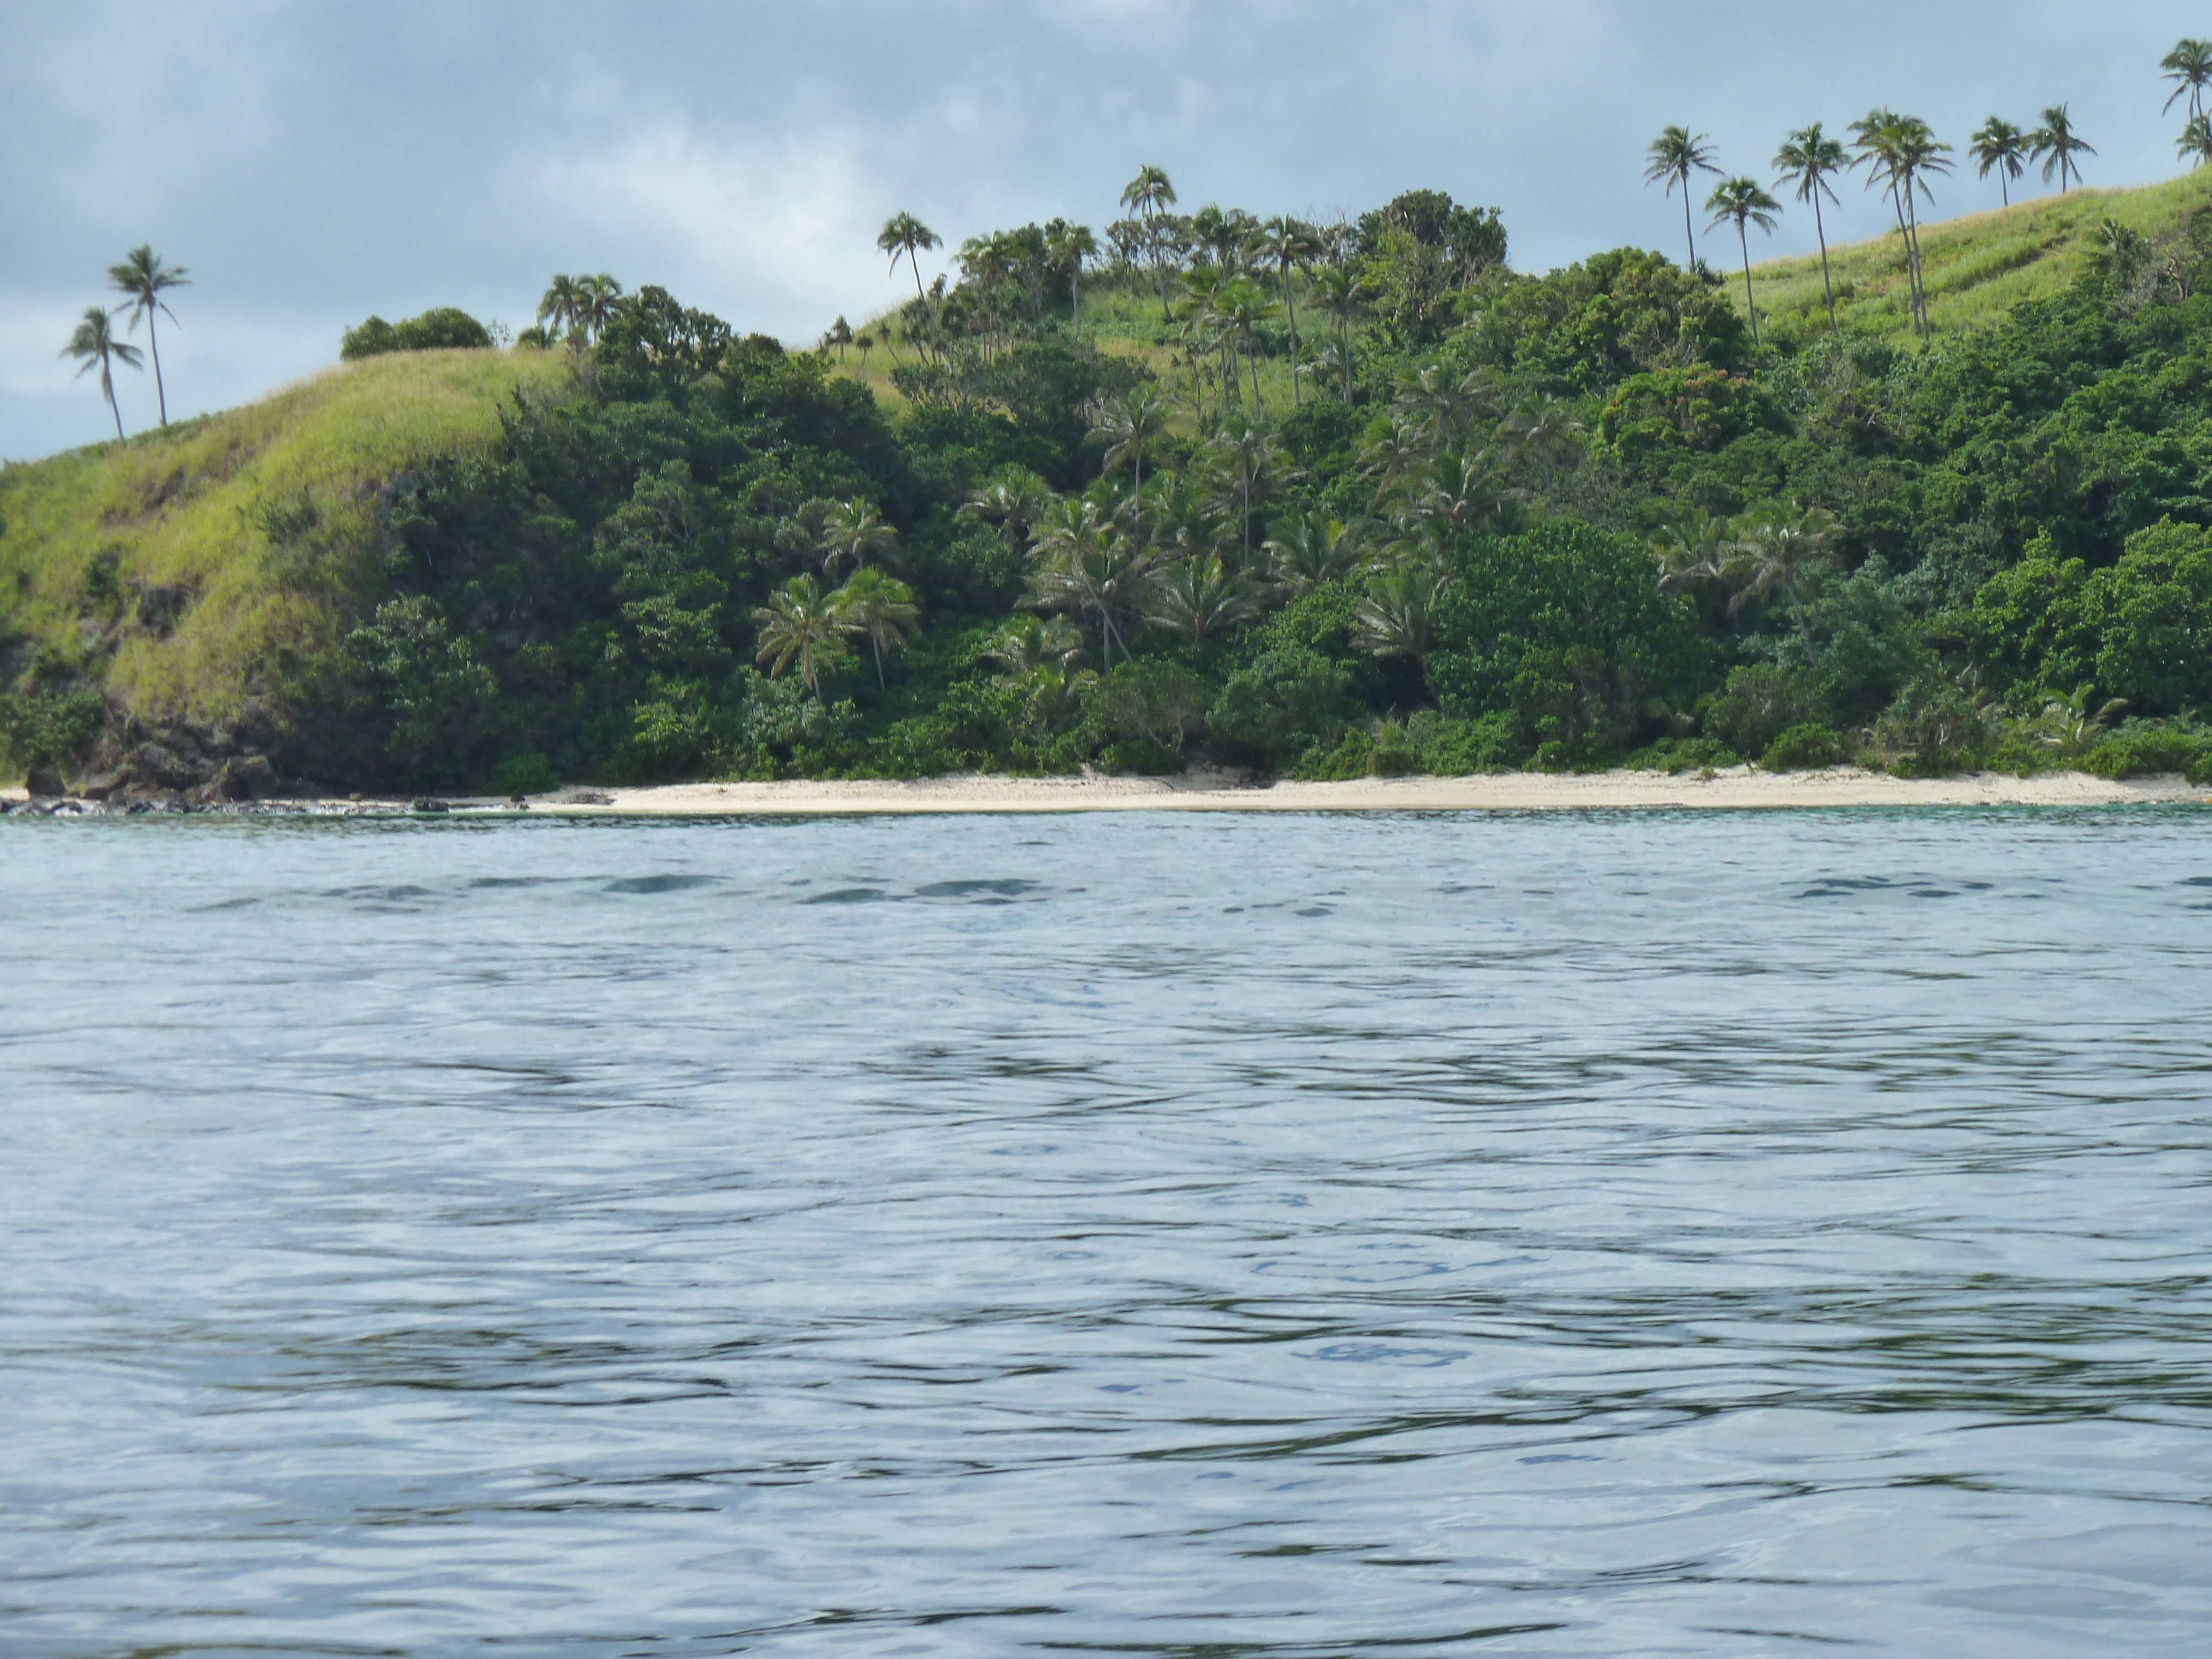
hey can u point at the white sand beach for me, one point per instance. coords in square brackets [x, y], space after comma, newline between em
[1516, 792]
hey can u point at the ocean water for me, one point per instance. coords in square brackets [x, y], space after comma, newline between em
[1227, 1236]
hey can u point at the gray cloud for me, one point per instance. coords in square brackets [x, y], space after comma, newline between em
[313, 163]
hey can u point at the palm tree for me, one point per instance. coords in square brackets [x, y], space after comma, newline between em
[1775, 550]
[1288, 242]
[840, 336]
[1148, 196]
[1675, 155]
[1741, 202]
[2000, 148]
[799, 624]
[1196, 598]
[597, 298]
[1341, 291]
[2196, 139]
[1088, 568]
[854, 531]
[2189, 66]
[563, 304]
[1239, 307]
[1014, 499]
[905, 237]
[1245, 461]
[95, 346]
[1898, 151]
[1069, 249]
[880, 608]
[2054, 145]
[1804, 161]
[140, 278]
[1394, 619]
[1127, 425]
[1314, 548]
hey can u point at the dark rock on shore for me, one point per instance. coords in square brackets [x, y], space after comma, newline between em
[45, 783]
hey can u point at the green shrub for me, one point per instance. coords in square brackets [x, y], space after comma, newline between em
[47, 728]
[442, 328]
[1139, 757]
[1802, 747]
[527, 774]
[2149, 752]
[1674, 755]
[1761, 703]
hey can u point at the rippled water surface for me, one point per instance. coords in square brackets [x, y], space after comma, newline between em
[1144, 1234]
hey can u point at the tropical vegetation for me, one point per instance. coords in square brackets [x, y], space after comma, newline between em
[1216, 486]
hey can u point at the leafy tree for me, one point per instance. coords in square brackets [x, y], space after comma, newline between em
[1676, 157]
[1805, 162]
[905, 237]
[1741, 202]
[94, 346]
[2000, 147]
[142, 278]
[2055, 143]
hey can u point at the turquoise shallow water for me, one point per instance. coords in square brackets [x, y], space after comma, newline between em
[1177, 1235]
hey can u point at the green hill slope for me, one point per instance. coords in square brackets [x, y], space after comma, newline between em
[1977, 266]
[184, 567]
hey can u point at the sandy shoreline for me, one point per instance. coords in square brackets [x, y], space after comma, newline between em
[1736, 789]
[1519, 792]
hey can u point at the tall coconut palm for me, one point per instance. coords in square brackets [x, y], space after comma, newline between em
[142, 278]
[1147, 197]
[1288, 242]
[597, 298]
[1128, 426]
[1341, 290]
[2055, 143]
[880, 609]
[1239, 308]
[94, 345]
[905, 237]
[1069, 249]
[799, 625]
[2189, 66]
[1676, 157]
[562, 305]
[1804, 161]
[1088, 568]
[1741, 202]
[1899, 152]
[2000, 148]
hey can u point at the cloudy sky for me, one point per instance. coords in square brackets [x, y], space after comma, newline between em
[312, 163]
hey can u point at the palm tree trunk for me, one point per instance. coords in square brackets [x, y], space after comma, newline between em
[1252, 362]
[877, 645]
[1827, 280]
[1812, 655]
[154, 339]
[1686, 229]
[1291, 308]
[1912, 239]
[1750, 305]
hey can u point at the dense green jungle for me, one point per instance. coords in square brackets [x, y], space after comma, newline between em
[1298, 500]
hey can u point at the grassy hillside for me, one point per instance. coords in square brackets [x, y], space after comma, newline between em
[181, 566]
[1977, 266]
